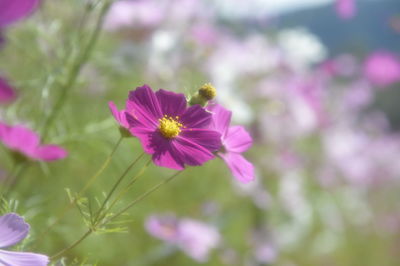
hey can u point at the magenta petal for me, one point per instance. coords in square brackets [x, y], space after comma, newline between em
[168, 156]
[221, 118]
[146, 138]
[209, 139]
[172, 104]
[190, 152]
[196, 117]
[241, 169]
[49, 153]
[13, 258]
[133, 122]
[237, 139]
[13, 229]
[118, 115]
[21, 139]
[13, 10]
[7, 93]
[146, 106]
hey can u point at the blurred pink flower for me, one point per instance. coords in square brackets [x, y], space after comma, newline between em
[346, 9]
[14, 10]
[344, 65]
[176, 135]
[382, 68]
[163, 227]
[193, 237]
[133, 14]
[7, 93]
[235, 140]
[24, 141]
[205, 34]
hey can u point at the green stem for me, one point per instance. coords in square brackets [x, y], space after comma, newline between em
[99, 212]
[75, 70]
[91, 180]
[91, 230]
[127, 188]
[12, 179]
[77, 242]
[142, 197]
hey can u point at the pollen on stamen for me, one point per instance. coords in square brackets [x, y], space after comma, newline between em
[170, 127]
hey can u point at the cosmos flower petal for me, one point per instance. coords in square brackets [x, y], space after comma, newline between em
[209, 139]
[172, 104]
[146, 137]
[21, 139]
[221, 118]
[118, 115]
[13, 229]
[237, 139]
[241, 169]
[167, 155]
[7, 93]
[13, 10]
[146, 105]
[50, 153]
[26, 142]
[197, 239]
[196, 117]
[22, 258]
[164, 227]
[191, 153]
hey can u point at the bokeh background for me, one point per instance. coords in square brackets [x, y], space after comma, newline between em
[315, 82]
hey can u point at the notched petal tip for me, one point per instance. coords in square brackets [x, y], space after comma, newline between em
[13, 229]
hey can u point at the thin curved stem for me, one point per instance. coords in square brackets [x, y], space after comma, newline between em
[143, 196]
[137, 200]
[91, 180]
[75, 70]
[77, 242]
[12, 179]
[127, 188]
[99, 212]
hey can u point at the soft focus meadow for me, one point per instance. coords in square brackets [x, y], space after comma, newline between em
[186, 132]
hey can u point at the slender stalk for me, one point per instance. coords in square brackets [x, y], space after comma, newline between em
[99, 212]
[12, 179]
[77, 242]
[127, 188]
[72, 203]
[92, 229]
[82, 58]
[143, 196]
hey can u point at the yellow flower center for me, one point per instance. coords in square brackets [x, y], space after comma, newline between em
[169, 126]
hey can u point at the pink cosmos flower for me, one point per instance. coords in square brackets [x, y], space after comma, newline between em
[14, 229]
[130, 14]
[169, 130]
[193, 237]
[235, 140]
[346, 9]
[23, 140]
[382, 68]
[7, 93]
